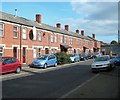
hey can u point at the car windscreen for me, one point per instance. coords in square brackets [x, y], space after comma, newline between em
[101, 58]
[42, 57]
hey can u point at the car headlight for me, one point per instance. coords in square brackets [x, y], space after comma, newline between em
[42, 63]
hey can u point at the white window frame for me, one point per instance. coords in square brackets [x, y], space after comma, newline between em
[39, 35]
[55, 37]
[52, 37]
[1, 51]
[15, 32]
[2, 29]
[64, 39]
[61, 38]
[24, 34]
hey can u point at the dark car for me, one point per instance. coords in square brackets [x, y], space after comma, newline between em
[9, 64]
[83, 57]
[117, 60]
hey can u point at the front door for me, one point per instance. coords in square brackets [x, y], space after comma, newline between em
[46, 51]
[15, 52]
[24, 55]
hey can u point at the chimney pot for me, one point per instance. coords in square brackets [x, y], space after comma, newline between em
[93, 35]
[77, 31]
[67, 27]
[82, 32]
[58, 25]
[38, 18]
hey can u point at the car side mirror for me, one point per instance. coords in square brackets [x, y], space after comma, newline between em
[3, 63]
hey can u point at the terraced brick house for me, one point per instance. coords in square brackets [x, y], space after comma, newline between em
[27, 39]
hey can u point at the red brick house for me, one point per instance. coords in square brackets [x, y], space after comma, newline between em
[27, 39]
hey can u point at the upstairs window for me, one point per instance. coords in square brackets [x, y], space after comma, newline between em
[53, 37]
[1, 29]
[64, 39]
[24, 35]
[61, 38]
[39, 35]
[15, 31]
[70, 40]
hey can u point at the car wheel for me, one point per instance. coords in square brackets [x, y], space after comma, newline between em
[18, 69]
[45, 66]
[55, 64]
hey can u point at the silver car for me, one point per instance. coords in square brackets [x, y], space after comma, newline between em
[102, 63]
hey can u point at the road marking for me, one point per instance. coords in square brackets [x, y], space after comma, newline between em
[67, 94]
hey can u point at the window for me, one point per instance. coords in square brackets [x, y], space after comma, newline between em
[15, 31]
[1, 29]
[53, 37]
[39, 35]
[70, 40]
[77, 41]
[24, 33]
[8, 61]
[61, 38]
[1, 51]
[39, 52]
[64, 39]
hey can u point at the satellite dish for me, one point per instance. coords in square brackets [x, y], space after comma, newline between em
[31, 34]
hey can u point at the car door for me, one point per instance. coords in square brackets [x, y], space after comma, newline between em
[49, 61]
[7, 65]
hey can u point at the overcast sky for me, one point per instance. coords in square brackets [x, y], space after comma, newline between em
[96, 16]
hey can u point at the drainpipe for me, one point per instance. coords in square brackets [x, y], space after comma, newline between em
[20, 42]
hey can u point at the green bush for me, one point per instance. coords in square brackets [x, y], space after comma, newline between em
[62, 58]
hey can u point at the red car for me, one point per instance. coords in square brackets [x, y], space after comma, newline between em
[9, 64]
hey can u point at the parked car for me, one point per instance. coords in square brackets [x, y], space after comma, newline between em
[74, 57]
[83, 57]
[102, 63]
[9, 64]
[117, 60]
[97, 54]
[44, 61]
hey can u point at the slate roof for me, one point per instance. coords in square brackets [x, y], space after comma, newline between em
[23, 21]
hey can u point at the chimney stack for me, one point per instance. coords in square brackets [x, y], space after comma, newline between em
[38, 18]
[77, 31]
[58, 25]
[82, 32]
[67, 27]
[93, 35]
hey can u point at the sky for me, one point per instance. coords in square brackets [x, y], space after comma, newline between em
[98, 17]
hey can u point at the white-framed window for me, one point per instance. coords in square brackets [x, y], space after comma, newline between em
[1, 51]
[39, 52]
[1, 29]
[39, 35]
[52, 37]
[64, 39]
[55, 37]
[70, 40]
[24, 31]
[77, 41]
[61, 38]
[15, 31]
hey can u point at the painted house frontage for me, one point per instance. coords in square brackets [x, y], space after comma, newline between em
[27, 39]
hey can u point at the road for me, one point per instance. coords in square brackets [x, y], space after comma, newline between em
[69, 81]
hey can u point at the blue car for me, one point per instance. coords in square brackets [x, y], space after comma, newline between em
[44, 61]
[74, 57]
[117, 60]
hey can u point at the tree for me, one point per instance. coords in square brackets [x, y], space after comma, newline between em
[114, 42]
